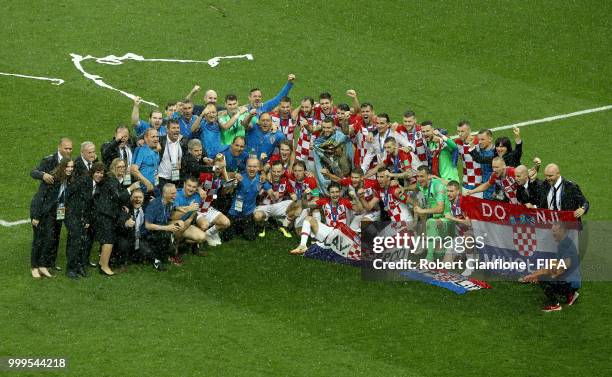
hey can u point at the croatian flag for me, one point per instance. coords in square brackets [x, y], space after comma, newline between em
[444, 279]
[342, 245]
[515, 233]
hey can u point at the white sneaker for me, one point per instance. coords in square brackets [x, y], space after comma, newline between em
[213, 239]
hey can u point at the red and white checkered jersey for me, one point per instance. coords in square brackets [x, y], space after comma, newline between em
[338, 213]
[458, 213]
[507, 183]
[370, 187]
[472, 172]
[320, 115]
[286, 125]
[211, 185]
[402, 162]
[303, 149]
[415, 137]
[300, 187]
[283, 188]
[395, 204]
[276, 157]
[360, 133]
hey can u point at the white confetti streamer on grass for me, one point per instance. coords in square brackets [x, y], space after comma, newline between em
[54, 81]
[118, 60]
[13, 223]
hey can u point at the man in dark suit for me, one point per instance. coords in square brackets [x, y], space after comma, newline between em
[564, 195]
[84, 163]
[194, 162]
[119, 146]
[530, 192]
[130, 227]
[80, 212]
[47, 164]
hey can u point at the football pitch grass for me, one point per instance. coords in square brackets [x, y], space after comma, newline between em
[249, 308]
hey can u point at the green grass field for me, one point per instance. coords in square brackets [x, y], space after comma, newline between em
[250, 308]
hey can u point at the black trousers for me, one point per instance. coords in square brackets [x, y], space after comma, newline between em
[124, 250]
[44, 242]
[244, 225]
[554, 290]
[156, 245]
[78, 245]
[54, 246]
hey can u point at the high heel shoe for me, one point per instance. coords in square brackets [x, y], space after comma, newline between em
[44, 272]
[35, 273]
[102, 272]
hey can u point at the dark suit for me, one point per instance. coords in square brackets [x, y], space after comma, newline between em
[113, 197]
[46, 234]
[110, 151]
[46, 165]
[535, 193]
[80, 211]
[125, 247]
[571, 197]
[80, 169]
[191, 167]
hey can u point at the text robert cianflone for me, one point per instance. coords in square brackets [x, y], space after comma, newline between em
[469, 263]
[413, 243]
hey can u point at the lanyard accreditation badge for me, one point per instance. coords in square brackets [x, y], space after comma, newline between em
[61, 211]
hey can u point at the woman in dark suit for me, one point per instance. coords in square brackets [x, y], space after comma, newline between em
[79, 217]
[114, 197]
[46, 209]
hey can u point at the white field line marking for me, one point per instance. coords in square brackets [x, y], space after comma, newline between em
[553, 118]
[13, 223]
[521, 124]
[53, 80]
[118, 60]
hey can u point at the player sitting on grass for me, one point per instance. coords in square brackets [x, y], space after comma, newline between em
[279, 194]
[213, 184]
[354, 183]
[188, 200]
[305, 188]
[336, 210]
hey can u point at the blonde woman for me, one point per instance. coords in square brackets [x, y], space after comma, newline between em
[113, 198]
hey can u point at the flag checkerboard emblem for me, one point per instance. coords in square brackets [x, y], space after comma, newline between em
[524, 239]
